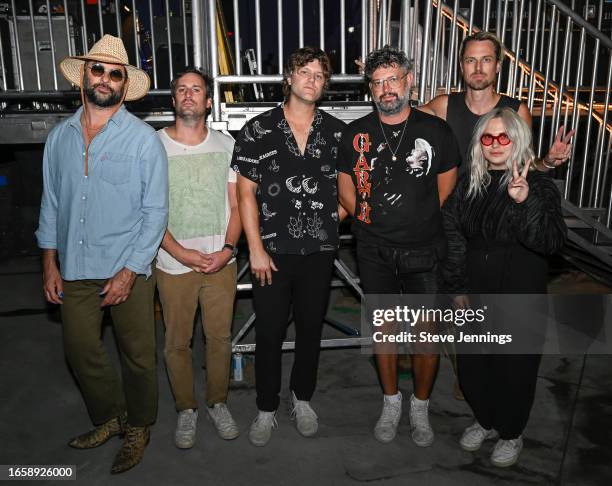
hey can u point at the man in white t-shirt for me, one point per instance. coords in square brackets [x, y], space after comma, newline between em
[196, 262]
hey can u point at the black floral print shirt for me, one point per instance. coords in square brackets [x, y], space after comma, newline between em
[297, 194]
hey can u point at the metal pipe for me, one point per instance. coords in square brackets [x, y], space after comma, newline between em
[185, 43]
[541, 55]
[214, 60]
[388, 22]
[3, 68]
[582, 22]
[471, 20]
[100, 22]
[599, 153]
[425, 52]
[575, 118]
[498, 19]
[279, 10]
[564, 64]
[404, 24]
[437, 34]
[536, 25]
[453, 40]
[373, 25]
[546, 79]
[301, 22]
[382, 15]
[237, 55]
[594, 173]
[169, 38]
[84, 27]
[487, 14]
[322, 24]
[135, 28]
[68, 42]
[35, 45]
[556, 48]
[518, 12]
[502, 36]
[257, 35]
[52, 42]
[118, 18]
[364, 29]
[569, 66]
[415, 35]
[343, 36]
[277, 78]
[590, 114]
[195, 15]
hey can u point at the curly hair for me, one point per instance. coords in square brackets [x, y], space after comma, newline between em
[299, 59]
[192, 70]
[386, 57]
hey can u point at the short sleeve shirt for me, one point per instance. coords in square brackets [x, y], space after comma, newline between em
[297, 194]
[397, 200]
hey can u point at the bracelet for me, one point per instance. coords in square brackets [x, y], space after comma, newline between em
[543, 159]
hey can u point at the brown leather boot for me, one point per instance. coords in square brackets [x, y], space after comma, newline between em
[132, 450]
[100, 434]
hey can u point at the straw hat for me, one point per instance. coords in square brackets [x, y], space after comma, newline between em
[109, 50]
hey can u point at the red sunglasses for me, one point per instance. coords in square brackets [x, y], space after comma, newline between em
[488, 139]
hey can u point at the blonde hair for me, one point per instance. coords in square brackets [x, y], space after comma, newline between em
[519, 133]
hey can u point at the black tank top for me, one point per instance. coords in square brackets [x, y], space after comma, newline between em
[462, 121]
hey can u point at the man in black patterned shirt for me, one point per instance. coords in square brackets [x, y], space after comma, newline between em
[286, 158]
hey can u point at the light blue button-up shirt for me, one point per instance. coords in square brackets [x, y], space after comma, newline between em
[115, 216]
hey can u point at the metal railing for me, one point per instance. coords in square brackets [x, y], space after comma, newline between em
[557, 60]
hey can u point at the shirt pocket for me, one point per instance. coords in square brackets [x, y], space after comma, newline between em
[116, 168]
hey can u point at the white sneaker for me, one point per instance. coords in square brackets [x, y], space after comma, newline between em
[261, 428]
[306, 419]
[185, 434]
[386, 427]
[506, 452]
[474, 435]
[422, 433]
[223, 421]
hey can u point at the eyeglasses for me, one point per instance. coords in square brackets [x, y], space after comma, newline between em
[488, 139]
[98, 71]
[308, 74]
[392, 81]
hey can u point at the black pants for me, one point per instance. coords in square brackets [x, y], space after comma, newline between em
[500, 389]
[303, 280]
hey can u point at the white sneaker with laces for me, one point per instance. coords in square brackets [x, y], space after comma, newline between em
[261, 428]
[186, 424]
[222, 419]
[386, 427]
[422, 433]
[474, 435]
[506, 452]
[306, 420]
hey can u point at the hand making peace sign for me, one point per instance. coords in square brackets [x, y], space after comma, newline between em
[518, 189]
[561, 149]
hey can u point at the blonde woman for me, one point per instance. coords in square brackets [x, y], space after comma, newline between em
[501, 222]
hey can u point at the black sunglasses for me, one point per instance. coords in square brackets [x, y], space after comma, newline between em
[98, 70]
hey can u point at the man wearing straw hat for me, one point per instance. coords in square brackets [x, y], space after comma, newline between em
[103, 214]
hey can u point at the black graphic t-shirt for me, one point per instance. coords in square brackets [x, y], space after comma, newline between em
[397, 200]
[297, 194]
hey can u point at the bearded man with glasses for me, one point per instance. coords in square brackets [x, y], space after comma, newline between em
[397, 166]
[103, 214]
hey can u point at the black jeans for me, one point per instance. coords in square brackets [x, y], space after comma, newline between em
[303, 280]
[500, 389]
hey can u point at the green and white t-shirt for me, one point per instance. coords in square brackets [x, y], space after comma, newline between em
[199, 209]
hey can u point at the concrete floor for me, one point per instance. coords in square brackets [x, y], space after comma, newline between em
[567, 440]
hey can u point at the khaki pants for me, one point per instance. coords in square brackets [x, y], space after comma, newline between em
[180, 295]
[105, 394]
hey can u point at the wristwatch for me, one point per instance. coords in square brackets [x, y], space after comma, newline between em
[231, 248]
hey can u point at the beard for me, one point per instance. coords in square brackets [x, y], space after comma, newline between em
[103, 101]
[480, 84]
[392, 107]
[190, 113]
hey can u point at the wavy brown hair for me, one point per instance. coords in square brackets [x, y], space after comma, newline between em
[299, 59]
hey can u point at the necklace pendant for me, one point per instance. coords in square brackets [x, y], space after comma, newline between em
[394, 158]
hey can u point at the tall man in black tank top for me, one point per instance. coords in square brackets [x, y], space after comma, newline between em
[481, 58]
